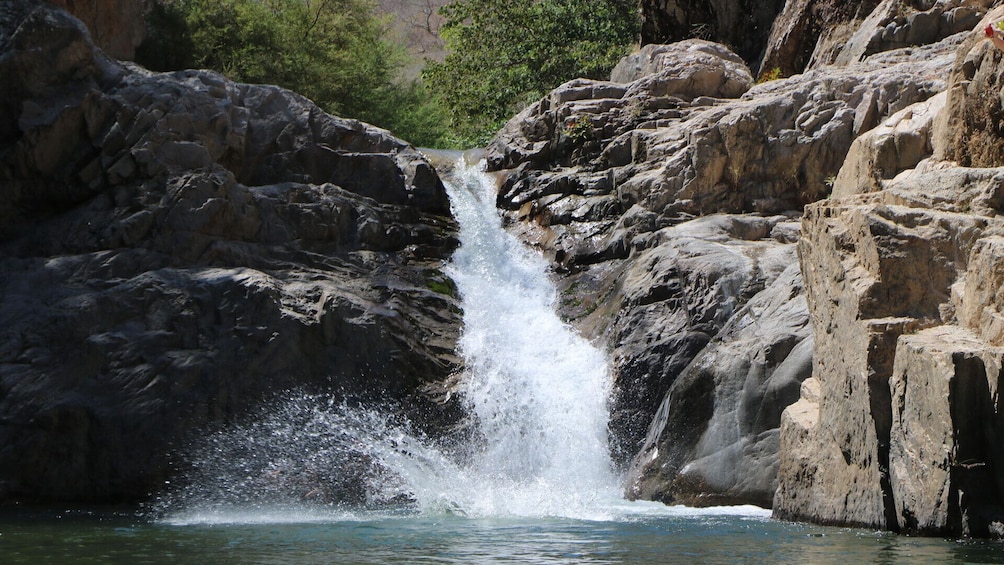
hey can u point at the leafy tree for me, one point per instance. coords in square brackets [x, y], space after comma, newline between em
[503, 54]
[331, 51]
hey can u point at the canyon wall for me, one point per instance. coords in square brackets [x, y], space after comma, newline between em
[900, 425]
[797, 281]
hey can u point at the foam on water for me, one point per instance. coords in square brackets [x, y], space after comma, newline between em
[537, 391]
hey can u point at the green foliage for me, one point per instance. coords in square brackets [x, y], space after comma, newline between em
[579, 129]
[439, 283]
[772, 74]
[505, 54]
[331, 51]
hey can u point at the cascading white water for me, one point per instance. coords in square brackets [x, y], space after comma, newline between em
[537, 390]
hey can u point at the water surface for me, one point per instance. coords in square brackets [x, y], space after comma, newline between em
[672, 536]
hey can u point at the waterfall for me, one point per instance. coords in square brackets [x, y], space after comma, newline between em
[536, 390]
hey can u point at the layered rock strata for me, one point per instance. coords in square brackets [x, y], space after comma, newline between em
[176, 248]
[811, 34]
[900, 425]
[667, 201]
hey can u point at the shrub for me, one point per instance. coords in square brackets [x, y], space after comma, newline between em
[331, 51]
[505, 54]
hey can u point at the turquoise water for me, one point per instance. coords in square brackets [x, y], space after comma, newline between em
[676, 536]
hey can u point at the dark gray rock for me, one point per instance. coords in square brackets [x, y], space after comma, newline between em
[177, 248]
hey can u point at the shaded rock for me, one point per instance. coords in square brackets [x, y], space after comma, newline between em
[811, 34]
[945, 460]
[894, 26]
[744, 25]
[673, 299]
[805, 27]
[117, 27]
[176, 248]
[714, 440]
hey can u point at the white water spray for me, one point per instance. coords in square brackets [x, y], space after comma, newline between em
[537, 391]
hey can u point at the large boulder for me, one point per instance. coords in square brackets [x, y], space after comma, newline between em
[177, 248]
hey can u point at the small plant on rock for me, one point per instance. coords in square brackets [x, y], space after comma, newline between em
[772, 74]
[579, 129]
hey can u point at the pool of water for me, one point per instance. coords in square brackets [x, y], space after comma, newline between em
[278, 536]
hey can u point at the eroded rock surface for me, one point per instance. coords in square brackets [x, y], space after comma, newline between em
[901, 426]
[667, 203]
[176, 248]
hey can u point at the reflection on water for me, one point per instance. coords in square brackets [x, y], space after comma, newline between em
[678, 536]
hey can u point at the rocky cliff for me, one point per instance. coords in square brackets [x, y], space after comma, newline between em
[117, 27]
[900, 426]
[787, 38]
[668, 200]
[176, 248]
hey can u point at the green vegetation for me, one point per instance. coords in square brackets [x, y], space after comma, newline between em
[331, 51]
[440, 283]
[579, 129]
[772, 74]
[505, 54]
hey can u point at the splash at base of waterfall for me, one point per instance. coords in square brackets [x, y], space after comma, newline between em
[537, 393]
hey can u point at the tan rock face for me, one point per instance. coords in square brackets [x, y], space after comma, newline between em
[902, 274]
[898, 143]
[117, 27]
[872, 272]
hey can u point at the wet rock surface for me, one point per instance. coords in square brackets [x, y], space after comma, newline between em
[176, 248]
